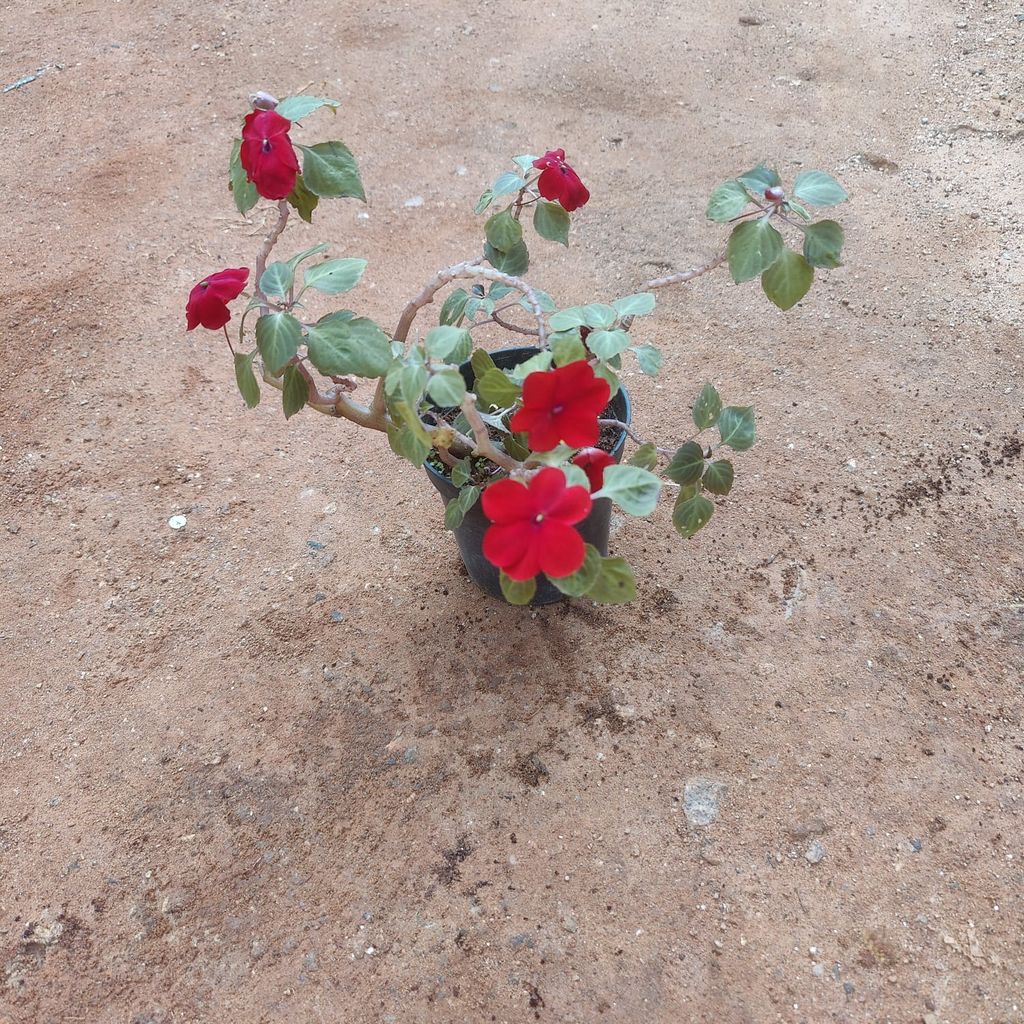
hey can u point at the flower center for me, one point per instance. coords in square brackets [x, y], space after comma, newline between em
[539, 517]
[557, 410]
[267, 146]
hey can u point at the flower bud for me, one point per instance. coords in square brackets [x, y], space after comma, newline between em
[775, 194]
[263, 101]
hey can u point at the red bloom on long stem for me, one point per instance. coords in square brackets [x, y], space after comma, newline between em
[532, 527]
[559, 182]
[208, 301]
[562, 405]
[593, 462]
[267, 155]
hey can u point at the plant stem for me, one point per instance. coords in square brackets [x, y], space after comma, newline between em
[485, 447]
[684, 275]
[264, 254]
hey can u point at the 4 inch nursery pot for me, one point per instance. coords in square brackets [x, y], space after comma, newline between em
[470, 535]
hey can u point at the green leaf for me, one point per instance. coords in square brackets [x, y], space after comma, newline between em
[481, 362]
[454, 308]
[494, 388]
[823, 244]
[506, 184]
[314, 250]
[447, 344]
[453, 514]
[341, 344]
[598, 316]
[646, 456]
[538, 363]
[736, 425]
[485, 200]
[567, 348]
[546, 303]
[503, 231]
[467, 497]
[604, 371]
[718, 477]
[692, 510]
[277, 337]
[575, 477]
[515, 262]
[329, 170]
[687, 465]
[635, 305]
[707, 407]
[753, 247]
[295, 108]
[550, 221]
[304, 201]
[816, 188]
[524, 162]
[277, 279]
[246, 379]
[405, 384]
[633, 489]
[760, 178]
[607, 344]
[649, 359]
[729, 200]
[583, 578]
[800, 211]
[407, 436]
[615, 583]
[242, 189]
[461, 472]
[788, 279]
[334, 276]
[295, 393]
[518, 591]
[447, 388]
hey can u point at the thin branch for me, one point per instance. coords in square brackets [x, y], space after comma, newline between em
[485, 447]
[515, 328]
[264, 254]
[684, 275]
[333, 403]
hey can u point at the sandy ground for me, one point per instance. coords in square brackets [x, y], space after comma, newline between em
[220, 804]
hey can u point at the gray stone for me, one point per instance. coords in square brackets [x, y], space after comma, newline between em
[815, 852]
[700, 801]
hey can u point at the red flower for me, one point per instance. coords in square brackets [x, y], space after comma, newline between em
[533, 525]
[593, 462]
[267, 155]
[562, 405]
[208, 301]
[559, 182]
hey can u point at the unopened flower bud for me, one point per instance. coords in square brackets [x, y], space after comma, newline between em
[263, 101]
[775, 194]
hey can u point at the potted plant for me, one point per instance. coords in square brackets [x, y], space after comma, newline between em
[525, 444]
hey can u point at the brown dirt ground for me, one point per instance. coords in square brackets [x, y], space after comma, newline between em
[219, 804]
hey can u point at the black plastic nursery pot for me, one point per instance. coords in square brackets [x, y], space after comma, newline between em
[470, 535]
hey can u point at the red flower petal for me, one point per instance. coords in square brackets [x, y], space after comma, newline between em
[267, 155]
[207, 302]
[593, 462]
[532, 527]
[560, 550]
[559, 182]
[562, 405]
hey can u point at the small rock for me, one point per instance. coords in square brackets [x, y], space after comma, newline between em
[411, 204]
[177, 522]
[337, 616]
[815, 852]
[315, 545]
[700, 801]
[409, 756]
[915, 845]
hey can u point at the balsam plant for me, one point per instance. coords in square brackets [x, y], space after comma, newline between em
[523, 442]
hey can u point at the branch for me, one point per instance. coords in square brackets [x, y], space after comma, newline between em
[684, 275]
[264, 254]
[485, 447]
[333, 403]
